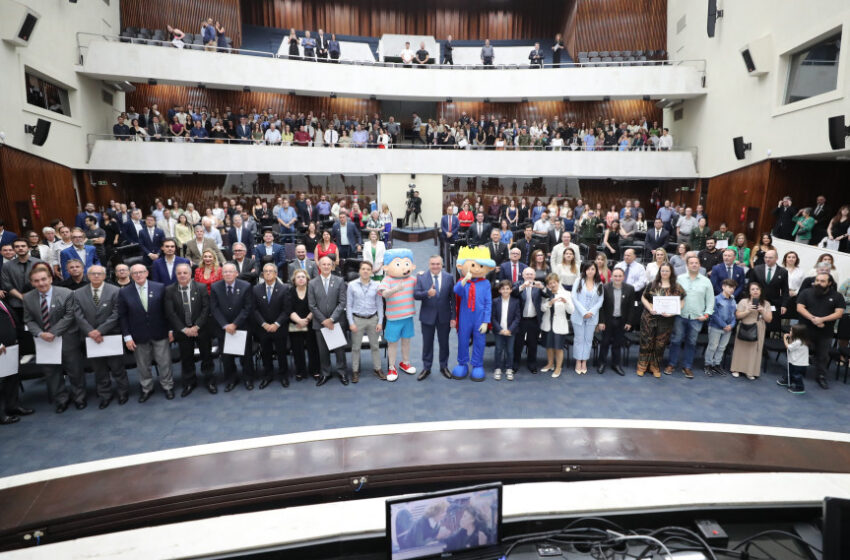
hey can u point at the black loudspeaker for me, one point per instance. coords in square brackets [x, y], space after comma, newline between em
[713, 14]
[838, 132]
[748, 60]
[26, 28]
[39, 131]
[740, 147]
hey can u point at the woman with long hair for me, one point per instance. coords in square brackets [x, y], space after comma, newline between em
[294, 41]
[327, 248]
[537, 262]
[837, 229]
[659, 258]
[301, 336]
[311, 239]
[764, 245]
[373, 253]
[742, 252]
[587, 300]
[465, 216]
[506, 236]
[825, 258]
[568, 269]
[805, 223]
[656, 328]
[602, 266]
[678, 260]
[611, 239]
[747, 353]
[796, 274]
[512, 214]
[183, 231]
[210, 270]
[556, 306]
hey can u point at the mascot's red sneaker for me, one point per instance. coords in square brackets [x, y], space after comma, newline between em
[406, 368]
[392, 374]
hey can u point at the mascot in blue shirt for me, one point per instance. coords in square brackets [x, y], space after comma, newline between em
[474, 300]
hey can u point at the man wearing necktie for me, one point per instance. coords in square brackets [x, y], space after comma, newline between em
[145, 330]
[10, 401]
[231, 304]
[822, 215]
[301, 262]
[512, 270]
[728, 269]
[246, 266]
[435, 289]
[326, 298]
[272, 307]
[449, 226]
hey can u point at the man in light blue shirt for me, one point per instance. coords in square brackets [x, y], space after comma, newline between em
[589, 141]
[698, 308]
[323, 207]
[287, 218]
[365, 312]
[665, 214]
[360, 137]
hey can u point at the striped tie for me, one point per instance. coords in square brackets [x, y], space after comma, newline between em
[45, 314]
[96, 298]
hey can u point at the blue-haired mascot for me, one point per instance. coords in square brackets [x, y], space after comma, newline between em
[474, 300]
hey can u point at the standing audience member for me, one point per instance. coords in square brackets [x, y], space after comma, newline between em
[505, 323]
[365, 312]
[784, 214]
[231, 306]
[587, 300]
[302, 339]
[774, 280]
[753, 315]
[618, 314]
[819, 307]
[698, 307]
[529, 291]
[327, 301]
[804, 224]
[487, 53]
[634, 271]
[11, 408]
[797, 345]
[656, 327]
[720, 327]
[271, 310]
[728, 270]
[555, 307]
[435, 289]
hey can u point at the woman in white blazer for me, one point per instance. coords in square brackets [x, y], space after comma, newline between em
[555, 307]
[373, 252]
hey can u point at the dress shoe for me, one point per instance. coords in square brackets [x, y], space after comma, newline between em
[249, 385]
[343, 379]
[122, 399]
[187, 390]
[20, 411]
[299, 377]
[80, 405]
[446, 373]
[264, 383]
[145, 396]
[601, 369]
[169, 394]
[229, 387]
[284, 381]
[355, 376]
[425, 373]
[618, 370]
[212, 388]
[380, 375]
[533, 371]
[688, 373]
[822, 382]
[61, 407]
[669, 370]
[322, 380]
[104, 403]
[9, 419]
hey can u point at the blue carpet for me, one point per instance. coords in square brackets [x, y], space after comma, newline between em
[48, 440]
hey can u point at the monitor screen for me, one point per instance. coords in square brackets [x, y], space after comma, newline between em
[440, 524]
[836, 537]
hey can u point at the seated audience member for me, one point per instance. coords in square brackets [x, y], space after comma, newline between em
[272, 136]
[120, 130]
[199, 133]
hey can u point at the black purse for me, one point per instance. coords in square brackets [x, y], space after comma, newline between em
[748, 333]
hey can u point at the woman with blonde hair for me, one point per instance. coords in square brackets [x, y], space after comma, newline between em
[601, 262]
[556, 305]
[659, 258]
[210, 270]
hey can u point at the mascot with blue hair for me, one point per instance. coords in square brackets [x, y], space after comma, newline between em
[397, 290]
[473, 310]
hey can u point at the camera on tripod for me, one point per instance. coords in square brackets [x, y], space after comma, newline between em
[411, 194]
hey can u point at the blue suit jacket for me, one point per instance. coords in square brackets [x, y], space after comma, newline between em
[128, 231]
[143, 326]
[71, 253]
[445, 227]
[505, 272]
[536, 297]
[439, 309]
[160, 270]
[353, 234]
[7, 237]
[150, 245]
[514, 315]
[277, 250]
[719, 274]
[234, 309]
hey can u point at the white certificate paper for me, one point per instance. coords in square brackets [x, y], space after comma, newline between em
[112, 345]
[721, 243]
[672, 305]
[48, 352]
[334, 338]
[235, 343]
[9, 361]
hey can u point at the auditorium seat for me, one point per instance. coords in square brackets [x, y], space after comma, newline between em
[603, 54]
[618, 59]
[583, 54]
[592, 54]
[626, 53]
[614, 54]
[607, 59]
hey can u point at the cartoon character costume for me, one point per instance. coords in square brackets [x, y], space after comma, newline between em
[473, 310]
[397, 290]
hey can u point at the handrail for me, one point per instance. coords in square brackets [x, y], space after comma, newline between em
[699, 63]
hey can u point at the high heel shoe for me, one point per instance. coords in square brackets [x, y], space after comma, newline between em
[557, 373]
[547, 368]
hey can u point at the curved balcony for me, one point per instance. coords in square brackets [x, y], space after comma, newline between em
[107, 58]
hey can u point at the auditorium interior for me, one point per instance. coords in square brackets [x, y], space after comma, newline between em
[462, 140]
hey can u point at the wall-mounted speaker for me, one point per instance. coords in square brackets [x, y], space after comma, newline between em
[758, 55]
[713, 15]
[740, 147]
[748, 60]
[838, 132]
[18, 23]
[39, 131]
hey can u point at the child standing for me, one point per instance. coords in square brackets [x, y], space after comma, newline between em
[505, 322]
[720, 327]
[798, 359]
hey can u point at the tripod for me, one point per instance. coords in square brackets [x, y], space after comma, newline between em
[413, 217]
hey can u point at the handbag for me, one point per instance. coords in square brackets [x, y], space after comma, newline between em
[748, 332]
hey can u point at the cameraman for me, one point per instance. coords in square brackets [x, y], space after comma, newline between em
[414, 206]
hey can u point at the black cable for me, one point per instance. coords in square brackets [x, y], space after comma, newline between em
[687, 531]
[775, 532]
[602, 519]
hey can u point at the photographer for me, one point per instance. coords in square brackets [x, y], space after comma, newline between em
[414, 206]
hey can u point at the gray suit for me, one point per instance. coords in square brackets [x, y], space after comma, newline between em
[103, 318]
[328, 306]
[191, 251]
[62, 324]
[312, 269]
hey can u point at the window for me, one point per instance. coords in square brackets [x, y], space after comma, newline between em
[814, 69]
[46, 94]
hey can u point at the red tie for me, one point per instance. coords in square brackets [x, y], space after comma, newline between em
[514, 274]
[6, 311]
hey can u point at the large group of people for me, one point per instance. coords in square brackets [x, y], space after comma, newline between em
[568, 276]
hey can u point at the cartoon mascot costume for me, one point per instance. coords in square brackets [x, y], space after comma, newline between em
[473, 309]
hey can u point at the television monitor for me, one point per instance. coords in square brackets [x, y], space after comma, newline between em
[836, 536]
[444, 524]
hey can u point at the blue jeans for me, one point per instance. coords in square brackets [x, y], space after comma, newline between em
[504, 351]
[718, 339]
[685, 330]
[796, 373]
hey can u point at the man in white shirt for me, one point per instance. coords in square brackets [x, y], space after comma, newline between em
[406, 54]
[557, 258]
[331, 137]
[635, 273]
[665, 143]
[272, 135]
[212, 233]
[543, 225]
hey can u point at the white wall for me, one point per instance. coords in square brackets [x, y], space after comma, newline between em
[737, 104]
[809, 255]
[392, 189]
[139, 63]
[52, 51]
[223, 158]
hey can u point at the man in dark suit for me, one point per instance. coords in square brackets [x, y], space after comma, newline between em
[232, 305]
[822, 215]
[326, 297]
[10, 400]
[351, 244]
[271, 324]
[498, 250]
[150, 239]
[656, 237]
[526, 244]
[96, 312]
[301, 262]
[238, 233]
[243, 130]
[619, 312]
[308, 213]
[246, 265]
[80, 220]
[164, 267]
[269, 251]
[728, 269]
[6, 236]
[156, 130]
[187, 309]
[529, 293]
[142, 312]
[435, 289]
[48, 314]
[774, 281]
[512, 270]
[479, 232]
[505, 317]
[86, 254]
[322, 46]
[449, 227]
[784, 214]
[131, 228]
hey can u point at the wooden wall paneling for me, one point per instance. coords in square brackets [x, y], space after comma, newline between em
[167, 96]
[579, 111]
[606, 25]
[186, 15]
[728, 194]
[53, 188]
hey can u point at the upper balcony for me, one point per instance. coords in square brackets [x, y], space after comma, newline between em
[108, 58]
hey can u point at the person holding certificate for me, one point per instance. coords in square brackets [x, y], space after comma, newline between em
[656, 326]
[10, 401]
[231, 304]
[699, 305]
[326, 298]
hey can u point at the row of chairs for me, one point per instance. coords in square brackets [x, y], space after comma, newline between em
[652, 55]
[144, 36]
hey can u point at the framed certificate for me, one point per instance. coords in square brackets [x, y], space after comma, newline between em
[671, 305]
